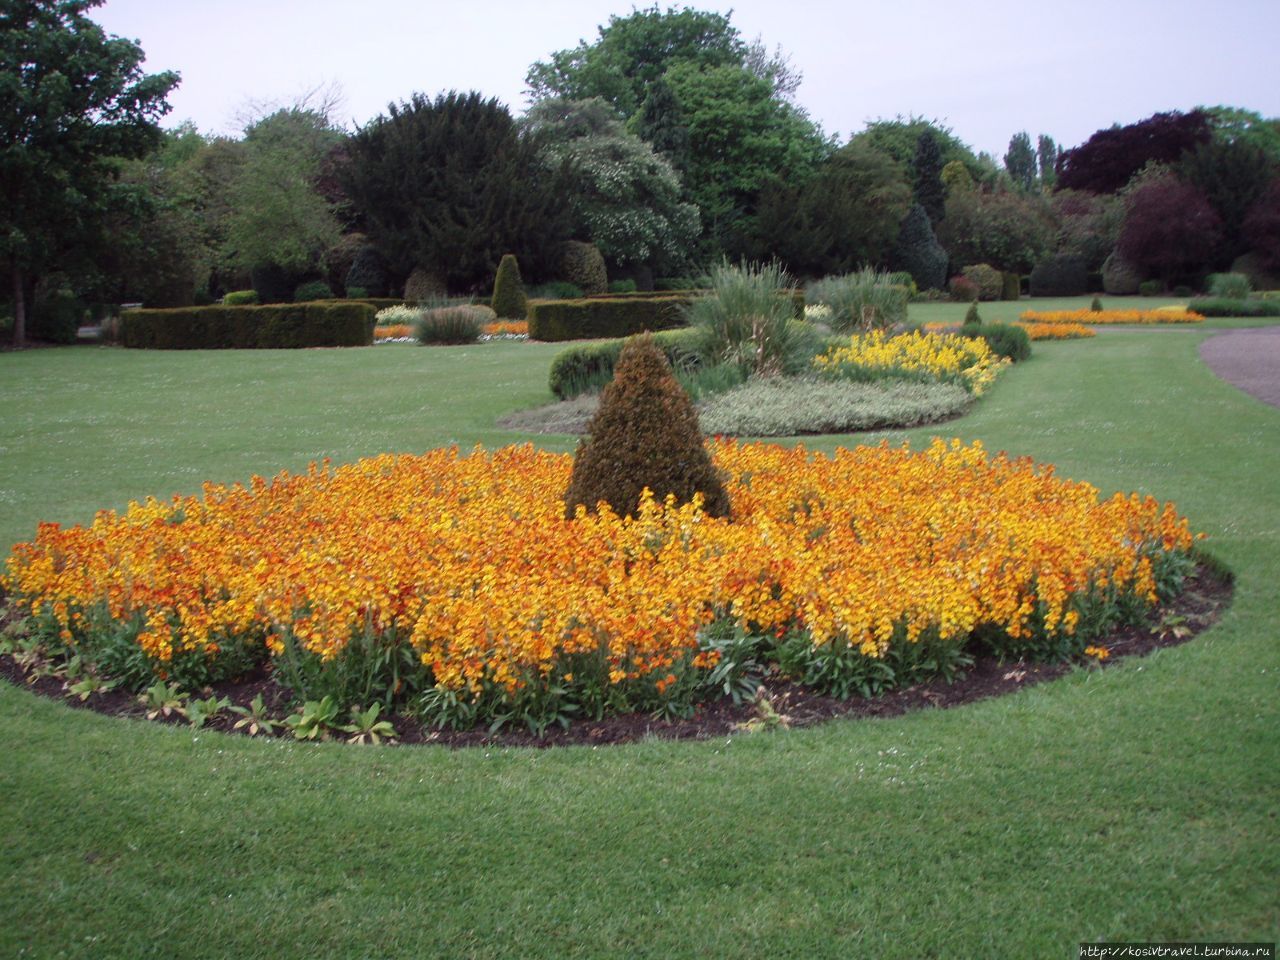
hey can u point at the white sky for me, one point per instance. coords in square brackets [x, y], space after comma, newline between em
[1061, 67]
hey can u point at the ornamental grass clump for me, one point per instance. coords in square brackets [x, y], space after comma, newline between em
[451, 325]
[644, 436]
[866, 299]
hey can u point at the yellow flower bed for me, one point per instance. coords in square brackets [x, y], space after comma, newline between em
[914, 356]
[1055, 331]
[470, 560]
[1161, 315]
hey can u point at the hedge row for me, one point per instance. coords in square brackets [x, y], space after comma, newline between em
[588, 367]
[318, 324]
[588, 319]
[1225, 307]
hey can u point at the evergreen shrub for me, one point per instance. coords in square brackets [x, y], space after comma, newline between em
[1004, 339]
[332, 324]
[240, 298]
[1150, 288]
[588, 319]
[312, 290]
[1060, 276]
[582, 265]
[644, 434]
[1010, 287]
[509, 301]
[1119, 278]
[988, 280]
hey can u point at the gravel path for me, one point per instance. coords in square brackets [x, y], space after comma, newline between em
[1248, 359]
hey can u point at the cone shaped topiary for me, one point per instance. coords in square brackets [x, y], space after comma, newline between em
[509, 301]
[644, 434]
[972, 318]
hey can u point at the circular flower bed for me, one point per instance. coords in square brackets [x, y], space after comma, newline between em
[454, 585]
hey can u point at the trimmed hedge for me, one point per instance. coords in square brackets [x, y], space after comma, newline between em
[579, 369]
[589, 319]
[1004, 339]
[323, 324]
[1227, 307]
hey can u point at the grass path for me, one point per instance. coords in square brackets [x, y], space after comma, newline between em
[1135, 803]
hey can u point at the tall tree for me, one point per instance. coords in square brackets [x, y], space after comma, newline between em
[899, 137]
[625, 198]
[1107, 160]
[660, 123]
[1020, 162]
[1008, 229]
[450, 185]
[926, 172]
[1047, 154]
[1169, 228]
[72, 99]
[1232, 175]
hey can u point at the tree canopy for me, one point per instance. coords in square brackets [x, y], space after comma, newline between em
[1108, 160]
[72, 101]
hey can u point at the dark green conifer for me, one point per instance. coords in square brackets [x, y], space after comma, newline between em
[509, 301]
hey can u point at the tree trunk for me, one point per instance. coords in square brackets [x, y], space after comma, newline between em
[19, 309]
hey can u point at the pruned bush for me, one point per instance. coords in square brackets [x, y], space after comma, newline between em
[333, 324]
[1062, 276]
[622, 286]
[866, 299]
[643, 436]
[962, 289]
[988, 280]
[556, 290]
[971, 317]
[605, 317]
[312, 290]
[1004, 339]
[1010, 287]
[667, 284]
[1219, 307]
[1230, 286]
[582, 265]
[1119, 278]
[509, 301]
[240, 298]
[368, 273]
[1095, 306]
[273, 283]
[1151, 288]
[587, 368]
[791, 406]
[423, 286]
[918, 251]
[447, 325]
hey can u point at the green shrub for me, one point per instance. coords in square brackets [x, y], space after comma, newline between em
[368, 274]
[1222, 307]
[866, 299]
[1254, 266]
[988, 280]
[962, 289]
[582, 265]
[509, 301]
[1061, 276]
[917, 251]
[1182, 290]
[423, 286]
[1230, 286]
[1010, 287]
[586, 368]
[240, 298]
[1151, 288]
[556, 290]
[644, 434]
[1004, 339]
[312, 290]
[623, 286]
[202, 298]
[662, 284]
[56, 317]
[971, 317]
[1119, 278]
[273, 283]
[904, 279]
[748, 320]
[604, 317]
[1096, 306]
[443, 325]
[333, 324]
[357, 293]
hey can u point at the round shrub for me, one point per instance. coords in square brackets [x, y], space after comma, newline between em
[446, 325]
[988, 280]
[963, 290]
[312, 290]
[240, 298]
[368, 272]
[1119, 278]
[622, 286]
[509, 301]
[1151, 288]
[644, 435]
[339, 259]
[1062, 276]
[582, 265]
[1004, 339]
[422, 286]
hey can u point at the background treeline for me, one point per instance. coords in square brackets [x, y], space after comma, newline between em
[663, 146]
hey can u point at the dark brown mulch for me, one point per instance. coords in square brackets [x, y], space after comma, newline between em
[1201, 604]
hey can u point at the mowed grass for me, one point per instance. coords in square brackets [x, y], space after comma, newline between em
[1136, 803]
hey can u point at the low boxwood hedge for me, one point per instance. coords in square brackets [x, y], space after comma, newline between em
[284, 325]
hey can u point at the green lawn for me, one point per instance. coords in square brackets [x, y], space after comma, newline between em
[1134, 803]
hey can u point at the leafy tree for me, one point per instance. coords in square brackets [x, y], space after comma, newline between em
[277, 214]
[1232, 175]
[918, 252]
[1089, 225]
[1107, 160]
[1169, 228]
[625, 198]
[633, 52]
[72, 99]
[1009, 230]
[926, 172]
[1262, 227]
[900, 138]
[1020, 161]
[660, 123]
[1235, 125]
[451, 185]
[847, 215]
[1047, 155]
[743, 142]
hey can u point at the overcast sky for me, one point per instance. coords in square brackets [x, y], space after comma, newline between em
[1065, 68]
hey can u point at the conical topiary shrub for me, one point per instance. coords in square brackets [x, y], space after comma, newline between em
[509, 301]
[644, 434]
[972, 318]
